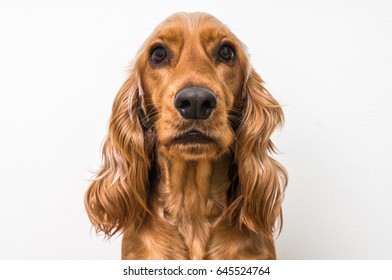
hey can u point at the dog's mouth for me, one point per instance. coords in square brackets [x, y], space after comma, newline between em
[196, 143]
[192, 137]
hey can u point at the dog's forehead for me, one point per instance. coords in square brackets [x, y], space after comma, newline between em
[181, 24]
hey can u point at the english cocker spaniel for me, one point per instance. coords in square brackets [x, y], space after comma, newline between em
[187, 170]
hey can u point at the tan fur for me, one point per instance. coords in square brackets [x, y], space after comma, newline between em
[197, 201]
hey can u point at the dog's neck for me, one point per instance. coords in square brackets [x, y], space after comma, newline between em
[192, 196]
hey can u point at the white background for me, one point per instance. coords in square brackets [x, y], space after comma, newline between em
[329, 63]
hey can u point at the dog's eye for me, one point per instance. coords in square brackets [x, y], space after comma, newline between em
[226, 53]
[158, 55]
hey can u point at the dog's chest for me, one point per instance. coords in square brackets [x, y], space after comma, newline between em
[194, 222]
[192, 199]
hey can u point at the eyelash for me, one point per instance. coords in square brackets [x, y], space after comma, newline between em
[226, 53]
[159, 56]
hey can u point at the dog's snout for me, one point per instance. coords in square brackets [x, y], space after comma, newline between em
[195, 102]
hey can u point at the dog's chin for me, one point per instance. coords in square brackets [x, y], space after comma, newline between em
[193, 145]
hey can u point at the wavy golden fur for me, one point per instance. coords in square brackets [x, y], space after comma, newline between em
[183, 184]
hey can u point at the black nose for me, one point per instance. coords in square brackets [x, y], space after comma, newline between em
[195, 102]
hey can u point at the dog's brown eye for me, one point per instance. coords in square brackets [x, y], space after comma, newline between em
[226, 53]
[158, 55]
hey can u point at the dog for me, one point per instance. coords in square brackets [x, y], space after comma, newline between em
[187, 170]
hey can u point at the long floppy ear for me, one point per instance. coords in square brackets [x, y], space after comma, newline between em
[117, 196]
[261, 179]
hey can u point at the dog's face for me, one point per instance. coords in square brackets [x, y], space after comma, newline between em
[192, 78]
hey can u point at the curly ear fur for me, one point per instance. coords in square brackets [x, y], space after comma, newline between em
[117, 195]
[262, 180]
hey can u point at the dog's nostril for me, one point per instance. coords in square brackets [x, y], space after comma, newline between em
[206, 105]
[185, 104]
[209, 104]
[206, 108]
